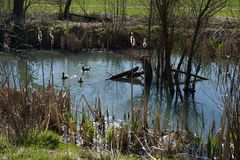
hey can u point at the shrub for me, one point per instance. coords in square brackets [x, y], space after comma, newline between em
[2, 146]
[48, 140]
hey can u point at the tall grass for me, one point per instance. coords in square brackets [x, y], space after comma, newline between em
[23, 111]
[100, 131]
[224, 143]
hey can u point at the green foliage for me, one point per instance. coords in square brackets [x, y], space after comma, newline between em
[110, 136]
[48, 139]
[198, 140]
[67, 157]
[209, 148]
[3, 146]
[218, 47]
[63, 152]
[212, 146]
[91, 131]
[88, 131]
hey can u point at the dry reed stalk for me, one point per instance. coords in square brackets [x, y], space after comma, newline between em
[25, 111]
[156, 131]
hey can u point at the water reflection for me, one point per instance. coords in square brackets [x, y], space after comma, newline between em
[194, 113]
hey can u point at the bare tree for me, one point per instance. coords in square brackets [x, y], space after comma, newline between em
[83, 4]
[20, 8]
[166, 10]
[60, 4]
[201, 11]
[66, 9]
[28, 3]
[105, 4]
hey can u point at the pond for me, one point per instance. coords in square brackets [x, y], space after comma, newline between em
[116, 96]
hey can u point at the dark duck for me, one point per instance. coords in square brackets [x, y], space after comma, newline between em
[80, 80]
[64, 76]
[87, 68]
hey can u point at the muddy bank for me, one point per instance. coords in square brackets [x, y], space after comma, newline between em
[74, 38]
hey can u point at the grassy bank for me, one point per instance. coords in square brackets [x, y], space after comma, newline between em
[46, 149]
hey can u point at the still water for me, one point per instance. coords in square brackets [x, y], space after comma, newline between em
[116, 96]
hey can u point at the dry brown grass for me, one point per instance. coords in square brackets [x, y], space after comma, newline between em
[23, 111]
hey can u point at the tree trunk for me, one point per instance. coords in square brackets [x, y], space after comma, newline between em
[150, 21]
[147, 71]
[18, 11]
[163, 8]
[191, 54]
[147, 84]
[66, 10]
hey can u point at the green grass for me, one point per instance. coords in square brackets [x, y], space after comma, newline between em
[42, 146]
[64, 152]
[35, 153]
[134, 7]
[93, 6]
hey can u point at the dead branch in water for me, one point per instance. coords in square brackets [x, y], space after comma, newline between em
[193, 75]
[126, 73]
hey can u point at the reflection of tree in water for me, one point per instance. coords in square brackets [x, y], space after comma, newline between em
[7, 73]
[177, 110]
[27, 73]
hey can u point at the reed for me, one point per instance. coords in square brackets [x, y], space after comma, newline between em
[24, 111]
[131, 137]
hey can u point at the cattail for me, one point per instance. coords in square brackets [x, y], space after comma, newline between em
[6, 47]
[144, 43]
[51, 35]
[39, 35]
[132, 40]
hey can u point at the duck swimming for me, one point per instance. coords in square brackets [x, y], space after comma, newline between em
[86, 68]
[80, 80]
[64, 76]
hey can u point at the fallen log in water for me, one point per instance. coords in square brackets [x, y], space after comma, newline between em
[193, 75]
[136, 74]
[126, 73]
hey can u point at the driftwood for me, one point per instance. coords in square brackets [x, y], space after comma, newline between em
[193, 75]
[126, 73]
